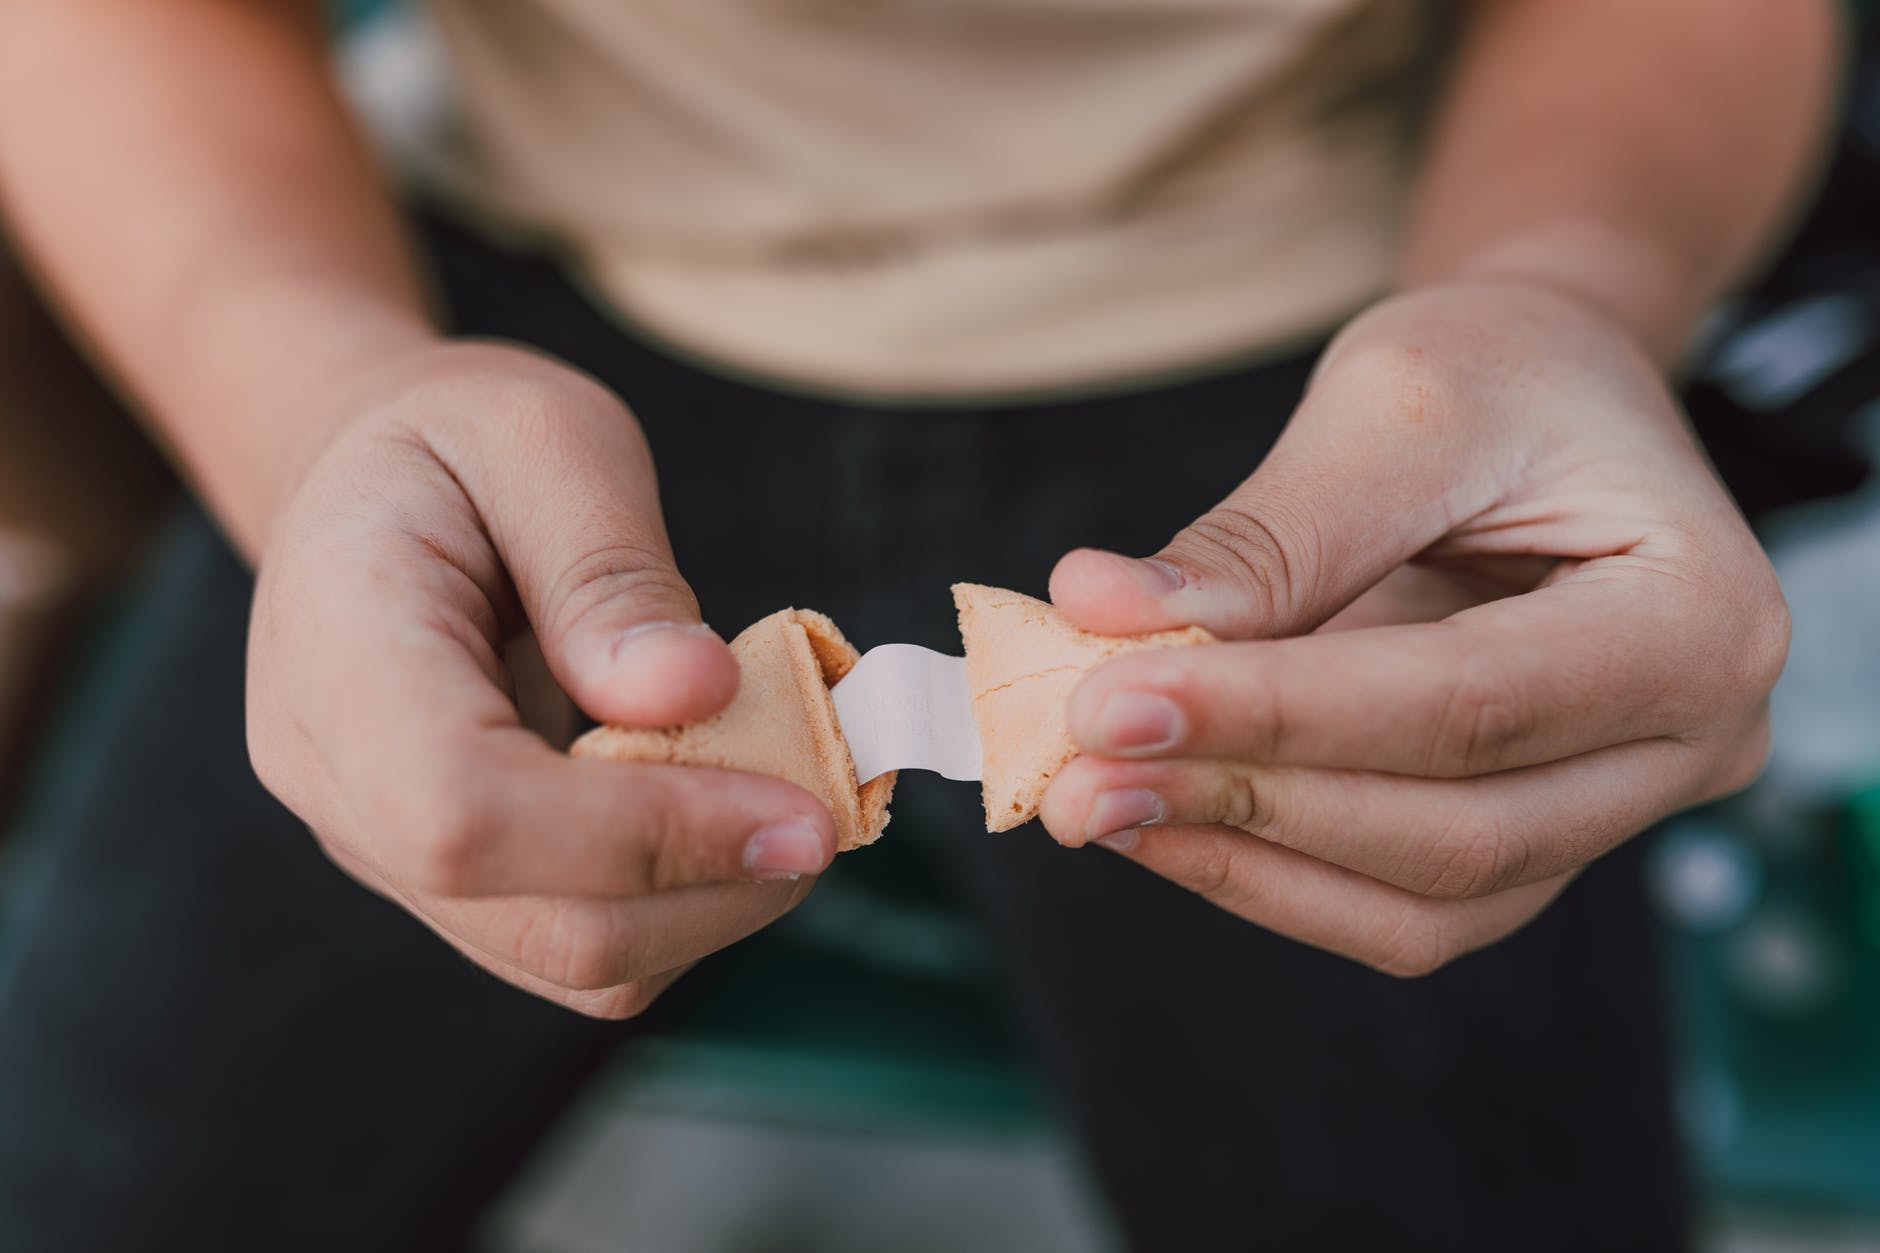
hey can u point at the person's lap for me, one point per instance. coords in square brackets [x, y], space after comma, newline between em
[209, 1037]
[205, 1028]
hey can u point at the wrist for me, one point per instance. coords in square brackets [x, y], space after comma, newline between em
[435, 392]
[1640, 286]
[288, 407]
[1494, 343]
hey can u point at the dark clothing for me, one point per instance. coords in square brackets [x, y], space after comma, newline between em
[211, 1038]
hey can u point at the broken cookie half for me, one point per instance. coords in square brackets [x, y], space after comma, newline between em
[1023, 660]
[781, 723]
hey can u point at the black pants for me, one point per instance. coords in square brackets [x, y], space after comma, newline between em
[209, 1038]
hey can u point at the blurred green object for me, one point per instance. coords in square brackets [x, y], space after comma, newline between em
[1779, 1010]
[801, 1025]
[874, 1006]
[1864, 856]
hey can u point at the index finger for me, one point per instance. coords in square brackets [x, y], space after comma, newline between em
[429, 758]
[1614, 653]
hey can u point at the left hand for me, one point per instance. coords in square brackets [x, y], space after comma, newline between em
[1495, 615]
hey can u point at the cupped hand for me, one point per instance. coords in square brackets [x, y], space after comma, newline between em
[1491, 612]
[482, 500]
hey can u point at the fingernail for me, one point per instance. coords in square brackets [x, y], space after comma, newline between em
[1137, 722]
[1158, 577]
[1116, 815]
[1121, 841]
[648, 636]
[786, 850]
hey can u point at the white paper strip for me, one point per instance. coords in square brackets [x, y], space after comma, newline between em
[904, 707]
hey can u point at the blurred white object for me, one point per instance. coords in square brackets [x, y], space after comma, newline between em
[393, 70]
[1826, 709]
[626, 1176]
[1779, 359]
[1704, 875]
[1786, 963]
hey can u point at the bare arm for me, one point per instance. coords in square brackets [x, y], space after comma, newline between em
[1494, 614]
[186, 178]
[182, 172]
[1636, 155]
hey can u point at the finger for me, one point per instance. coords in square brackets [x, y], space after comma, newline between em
[616, 1004]
[498, 813]
[1361, 480]
[1330, 907]
[1604, 657]
[1450, 839]
[589, 945]
[577, 524]
[461, 801]
[606, 959]
[584, 945]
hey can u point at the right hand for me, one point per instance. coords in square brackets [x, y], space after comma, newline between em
[476, 495]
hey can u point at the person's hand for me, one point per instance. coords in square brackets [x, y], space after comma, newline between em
[1495, 613]
[482, 495]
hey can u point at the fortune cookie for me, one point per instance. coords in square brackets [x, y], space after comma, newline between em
[1022, 662]
[781, 723]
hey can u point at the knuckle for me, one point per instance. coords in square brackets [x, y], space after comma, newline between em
[1767, 648]
[574, 946]
[1417, 946]
[1245, 802]
[1482, 718]
[587, 961]
[1746, 648]
[660, 858]
[1399, 382]
[1262, 553]
[1407, 392]
[619, 1004]
[608, 573]
[1743, 764]
[1476, 855]
[448, 850]
[449, 831]
[1213, 876]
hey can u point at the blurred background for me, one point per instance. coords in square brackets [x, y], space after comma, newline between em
[852, 1069]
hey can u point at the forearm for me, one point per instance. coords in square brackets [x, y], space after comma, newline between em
[1638, 155]
[185, 178]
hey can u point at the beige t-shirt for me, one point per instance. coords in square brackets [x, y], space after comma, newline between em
[946, 197]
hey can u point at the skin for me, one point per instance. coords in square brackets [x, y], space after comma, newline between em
[1515, 623]
[439, 526]
[432, 520]
[1494, 613]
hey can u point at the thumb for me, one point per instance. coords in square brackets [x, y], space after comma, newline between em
[1332, 510]
[576, 521]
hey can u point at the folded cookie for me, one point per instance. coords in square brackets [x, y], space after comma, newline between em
[1022, 662]
[781, 723]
